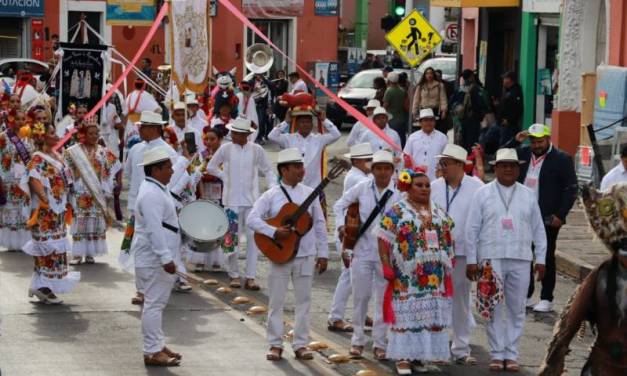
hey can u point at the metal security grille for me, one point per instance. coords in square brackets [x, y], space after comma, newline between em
[10, 37]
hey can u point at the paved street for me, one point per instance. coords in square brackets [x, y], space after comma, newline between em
[97, 332]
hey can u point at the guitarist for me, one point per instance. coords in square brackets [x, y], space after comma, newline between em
[299, 270]
[375, 196]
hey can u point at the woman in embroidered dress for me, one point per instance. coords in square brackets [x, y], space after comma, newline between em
[15, 153]
[48, 180]
[416, 250]
[89, 228]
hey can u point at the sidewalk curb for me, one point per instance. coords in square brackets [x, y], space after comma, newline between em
[572, 266]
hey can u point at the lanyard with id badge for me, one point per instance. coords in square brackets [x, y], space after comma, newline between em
[507, 223]
[431, 236]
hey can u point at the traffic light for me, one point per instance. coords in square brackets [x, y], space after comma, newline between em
[399, 8]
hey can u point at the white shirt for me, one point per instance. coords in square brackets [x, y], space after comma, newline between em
[240, 172]
[311, 147]
[616, 175]
[133, 173]
[367, 194]
[355, 134]
[299, 86]
[198, 121]
[154, 245]
[250, 111]
[353, 177]
[486, 230]
[269, 205]
[423, 148]
[377, 142]
[180, 135]
[459, 206]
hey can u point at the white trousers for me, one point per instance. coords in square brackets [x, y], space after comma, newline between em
[367, 279]
[506, 327]
[157, 286]
[251, 248]
[300, 272]
[343, 291]
[462, 316]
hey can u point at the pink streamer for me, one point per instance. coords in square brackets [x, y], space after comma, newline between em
[153, 29]
[356, 114]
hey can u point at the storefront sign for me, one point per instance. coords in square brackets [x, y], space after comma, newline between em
[130, 12]
[355, 57]
[326, 7]
[272, 8]
[542, 6]
[328, 74]
[37, 39]
[22, 8]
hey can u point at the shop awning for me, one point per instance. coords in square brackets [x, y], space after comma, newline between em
[475, 3]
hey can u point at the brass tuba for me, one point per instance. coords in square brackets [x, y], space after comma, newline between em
[163, 76]
[259, 58]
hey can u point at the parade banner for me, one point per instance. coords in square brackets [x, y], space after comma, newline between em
[348, 108]
[189, 41]
[130, 12]
[82, 75]
[272, 8]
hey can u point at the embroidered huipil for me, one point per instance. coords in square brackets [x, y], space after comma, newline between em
[423, 148]
[488, 232]
[269, 205]
[240, 166]
[367, 194]
[311, 147]
[377, 142]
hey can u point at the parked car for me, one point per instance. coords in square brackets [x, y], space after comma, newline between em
[448, 66]
[357, 92]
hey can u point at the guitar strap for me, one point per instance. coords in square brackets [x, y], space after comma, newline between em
[287, 195]
[377, 209]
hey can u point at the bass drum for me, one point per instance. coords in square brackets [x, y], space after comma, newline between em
[203, 225]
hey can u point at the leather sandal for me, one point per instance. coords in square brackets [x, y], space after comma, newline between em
[339, 326]
[251, 285]
[466, 360]
[275, 354]
[379, 353]
[160, 359]
[356, 351]
[235, 283]
[496, 365]
[403, 367]
[303, 354]
[369, 322]
[511, 366]
[171, 353]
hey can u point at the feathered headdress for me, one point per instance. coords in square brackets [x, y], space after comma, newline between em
[607, 213]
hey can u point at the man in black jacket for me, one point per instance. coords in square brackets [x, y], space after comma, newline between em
[550, 173]
[510, 107]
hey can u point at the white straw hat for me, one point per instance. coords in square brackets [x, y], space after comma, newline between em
[373, 103]
[426, 113]
[381, 111]
[150, 118]
[191, 99]
[360, 151]
[454, 152]
[393, 77]
[179, 106]
[291, 155]
[155, 155]
[506, 155]
[382, 156]
[240, 125]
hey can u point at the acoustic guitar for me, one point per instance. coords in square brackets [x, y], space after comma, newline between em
[297, 218]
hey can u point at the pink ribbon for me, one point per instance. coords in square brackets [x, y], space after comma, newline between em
[153, 29]
[348, 108]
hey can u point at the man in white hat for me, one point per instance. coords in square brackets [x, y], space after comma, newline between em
[375, 195]
[197, 118]
[506, 223]
[138, 101]
[424, 144]
[310, 145]
[358, 128]
[454, 192]
[180, 127]
[157, 239]
[380, 117]
[361, 158]
[237, 164]
[312, 254]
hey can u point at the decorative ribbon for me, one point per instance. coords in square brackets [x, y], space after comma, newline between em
[19, 146]
[348, 108]
[153, 29]
[388, 309]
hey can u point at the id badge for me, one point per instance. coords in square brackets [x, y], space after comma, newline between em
[431, 237]
[531, 182]
[507, 224]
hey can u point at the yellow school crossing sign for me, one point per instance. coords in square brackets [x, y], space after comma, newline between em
[414, 37]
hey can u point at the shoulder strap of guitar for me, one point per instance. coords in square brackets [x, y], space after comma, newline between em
[287, 195]
[377, 209]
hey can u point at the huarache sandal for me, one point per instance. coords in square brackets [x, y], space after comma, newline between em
[251, 285]
[466, 360]
[339, 326]
[171, 353]
[379, 353]
[235, 283]
[496, 365]
[356, 351]
[138, 299]
[511, 366]
[275, 354]
[303, 354]
[76, 261]
[403, 367]
[160, 359]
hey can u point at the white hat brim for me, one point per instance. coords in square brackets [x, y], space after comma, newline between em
[291, 161]
[236, 130]
[507, 160]
[455, 158]
[362, 156]
[153, 162]
[162, 123]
